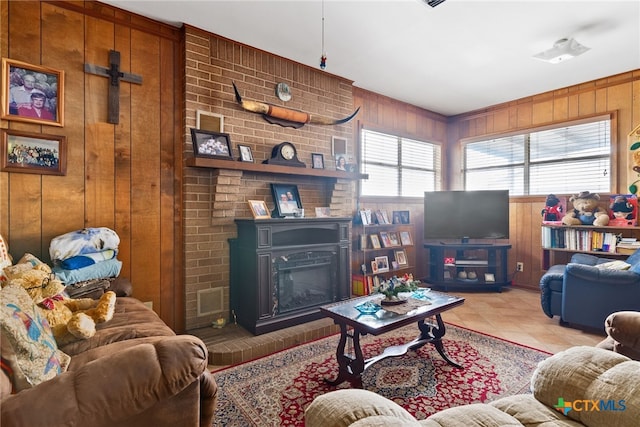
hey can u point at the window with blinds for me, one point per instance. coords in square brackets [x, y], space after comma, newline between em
[563, 160]
[398, 166]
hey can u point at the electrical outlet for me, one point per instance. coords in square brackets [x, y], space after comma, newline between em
[520, 266]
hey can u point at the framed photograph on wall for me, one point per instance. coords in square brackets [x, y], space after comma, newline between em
[317, 161]
[338, 146]
[32, 93]
[211, 144]
[259, 209]
[245, 153]
[209, 121]
[286, 199]
[29, 152]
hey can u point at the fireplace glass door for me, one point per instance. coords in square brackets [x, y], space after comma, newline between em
[303, 279]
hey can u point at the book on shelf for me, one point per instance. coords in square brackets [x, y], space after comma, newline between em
[579, 239]
[358, 285]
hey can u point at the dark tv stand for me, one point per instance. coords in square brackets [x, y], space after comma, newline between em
[487, 261]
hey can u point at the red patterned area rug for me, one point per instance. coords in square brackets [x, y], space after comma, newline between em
[275, 390]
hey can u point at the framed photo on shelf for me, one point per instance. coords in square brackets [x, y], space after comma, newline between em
[375, 241]
[385, 216]
[317, 161]
[286, 199]
[401, 217]
[363, 241]
[323, 212]
[32, 93]
[384, 239]
[29, 152]
[365, 216]
[374, 267]
[401, 257]
[259, 209]
[405, 238]
[394, 238]
[245, 153]
[383, 263]
[211, 144]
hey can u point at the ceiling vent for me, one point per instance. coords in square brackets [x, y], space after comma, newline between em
[562, 50]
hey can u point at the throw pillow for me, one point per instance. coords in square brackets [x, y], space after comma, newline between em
[613, 265]
[29, 351]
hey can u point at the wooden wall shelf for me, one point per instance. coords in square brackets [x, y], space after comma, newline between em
[201, 162]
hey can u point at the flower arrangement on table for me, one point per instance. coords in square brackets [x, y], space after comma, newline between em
[392, 287]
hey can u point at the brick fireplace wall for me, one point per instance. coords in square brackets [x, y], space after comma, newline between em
[214, 197]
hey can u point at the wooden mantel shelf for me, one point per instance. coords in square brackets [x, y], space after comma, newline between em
[201, 162]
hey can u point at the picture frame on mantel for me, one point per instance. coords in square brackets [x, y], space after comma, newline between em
[213, 145]
[32, 93]
[286, 199]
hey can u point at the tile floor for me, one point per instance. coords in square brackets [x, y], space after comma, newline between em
[514, 315]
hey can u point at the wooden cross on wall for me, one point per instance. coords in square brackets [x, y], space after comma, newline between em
[115, 75]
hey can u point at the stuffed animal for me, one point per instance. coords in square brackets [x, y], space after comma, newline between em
[586, 211]
[552, 209]
[70, 319]
[621, 208]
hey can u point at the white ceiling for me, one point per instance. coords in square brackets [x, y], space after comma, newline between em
[459, 56]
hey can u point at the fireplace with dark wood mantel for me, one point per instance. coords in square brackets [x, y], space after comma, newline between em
[283, 270]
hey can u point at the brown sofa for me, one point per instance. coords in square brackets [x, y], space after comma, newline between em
[134, 372]
[623, 333]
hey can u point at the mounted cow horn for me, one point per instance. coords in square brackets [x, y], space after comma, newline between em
[286, 117]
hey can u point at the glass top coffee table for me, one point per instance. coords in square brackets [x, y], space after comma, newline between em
[364, 315]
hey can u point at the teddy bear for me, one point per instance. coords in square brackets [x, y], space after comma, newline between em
[621, 208]
[70, 319]
[586, 211]
[552, 209]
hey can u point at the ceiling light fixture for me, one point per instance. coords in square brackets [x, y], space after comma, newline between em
[562, 50]
[323, 57]
[433, 3]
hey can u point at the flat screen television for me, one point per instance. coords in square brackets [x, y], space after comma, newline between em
[464, 215]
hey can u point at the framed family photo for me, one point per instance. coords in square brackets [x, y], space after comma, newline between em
[211, 144]
[245, 153]
[28, 152]
[317, 161]
[259, 209]
[32, 93]
[401, 257]
[286, 199]
[382, 263]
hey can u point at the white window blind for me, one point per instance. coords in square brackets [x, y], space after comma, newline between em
[566, 159]
[398, 166]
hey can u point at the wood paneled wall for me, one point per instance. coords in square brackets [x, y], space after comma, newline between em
[380, 113]
[618, 95]
[125, 176]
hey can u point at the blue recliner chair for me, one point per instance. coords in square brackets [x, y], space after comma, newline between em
[583, 294]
